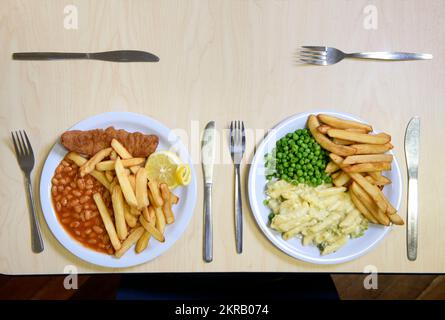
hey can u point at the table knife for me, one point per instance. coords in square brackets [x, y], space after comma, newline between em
[208, 159]
[412, 143]
[113, 56]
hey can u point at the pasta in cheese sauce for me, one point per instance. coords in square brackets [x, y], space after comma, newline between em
[324, 216]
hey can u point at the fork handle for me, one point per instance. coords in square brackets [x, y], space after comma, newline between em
[400, 56]
[36, 237]
[238, 211]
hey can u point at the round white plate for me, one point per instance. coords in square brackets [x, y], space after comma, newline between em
[293, 247]
[183, 210]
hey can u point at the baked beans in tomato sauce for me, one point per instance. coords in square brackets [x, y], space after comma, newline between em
[75, 208]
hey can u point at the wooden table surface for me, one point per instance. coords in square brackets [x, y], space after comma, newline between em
[221, 60]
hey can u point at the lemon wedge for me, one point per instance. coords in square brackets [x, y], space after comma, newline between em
[183, 174]
[162, 167]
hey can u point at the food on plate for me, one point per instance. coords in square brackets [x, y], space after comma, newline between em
[108, 202]
[298, 158]
[324, 216]
[325, 142]
[167, 167]
[340, 158]
[358, 137]
[92, 141]
[343, 123]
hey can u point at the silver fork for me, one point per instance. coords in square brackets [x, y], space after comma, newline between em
[25, 158]
[237, 147]
[324, 56]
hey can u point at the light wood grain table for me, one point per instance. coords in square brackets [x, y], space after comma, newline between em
[221, 60]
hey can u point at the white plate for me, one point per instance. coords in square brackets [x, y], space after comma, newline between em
[293, 247]
[183, 210]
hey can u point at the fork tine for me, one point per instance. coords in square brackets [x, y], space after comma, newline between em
[313, 52]
[317, 62]
[19, 143]
[28, 144]
[22, 142]
[231, 135]
[243, 135]
[17, 151]
[317, 48]
[304, 56]
[236, 132]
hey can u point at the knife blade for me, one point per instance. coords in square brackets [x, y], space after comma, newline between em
[113, 56]
[412, 144]
[208, 151]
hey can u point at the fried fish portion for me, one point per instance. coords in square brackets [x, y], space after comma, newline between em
[91, 141]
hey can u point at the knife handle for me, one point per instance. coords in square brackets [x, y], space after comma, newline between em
[412, 224]
[208, 229]
[48, 55]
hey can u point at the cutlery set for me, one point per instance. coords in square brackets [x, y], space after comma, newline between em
[316, 55]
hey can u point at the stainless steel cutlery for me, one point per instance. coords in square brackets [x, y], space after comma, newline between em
[208, 151]
[324, 56]
[412, 144]
[25, 158]
[237, 148]
[113, 56]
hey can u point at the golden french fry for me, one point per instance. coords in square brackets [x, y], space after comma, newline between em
[371, 189]
[390, 210]
[167, 206]
[343, 123]
[331, 167]
[368, 202]
[342, 142]
[89, 166]
[113, 155]
[117, 200]
[109, 164]
[358, 137]
[323, 128]
[79, 161]
[109, 176]
[142, 243]
[156, 198]
[324, 141]
[134, 211]
[378, 179]
[356, 130]
[135, 169]
[141, 188]
[108, 223]
[146, 213]
[368, 167]
[120, 149]
[336, 174]
[362, 208]
[175, 199]
[337, 159]
[131, 240]
[76, 158]
[131, 220]
[99, 176]
[160, 220]
[371, 148]
[132, 180]
[366, 158]
[153, 231]
[127, 189]
[341, 179]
